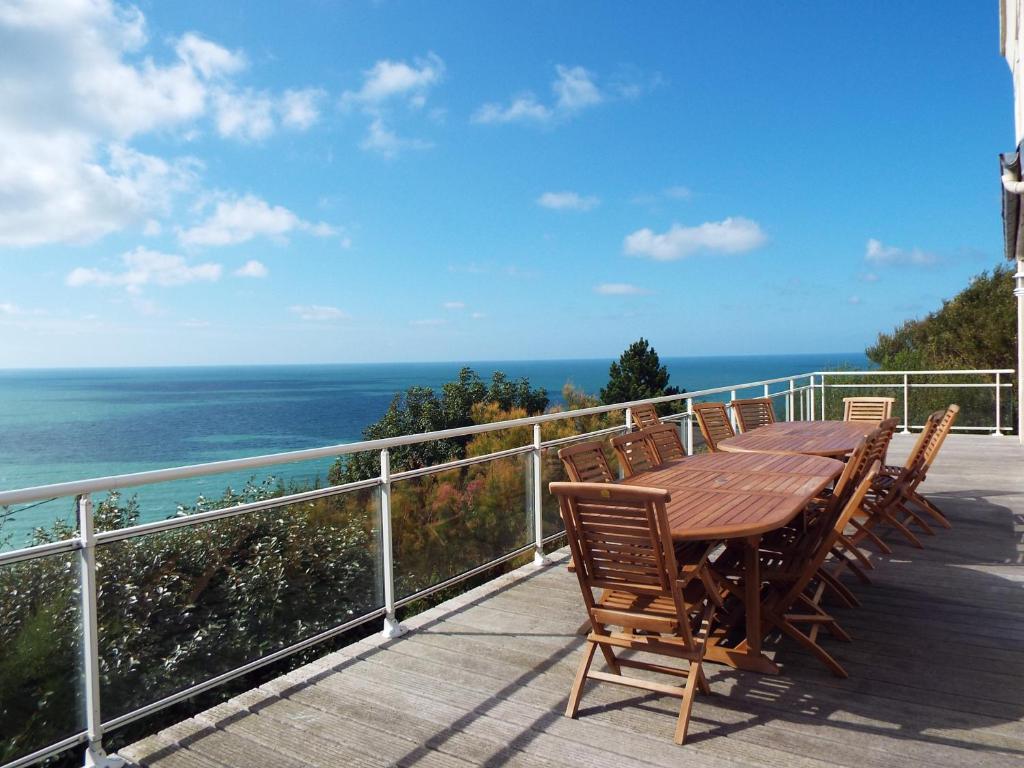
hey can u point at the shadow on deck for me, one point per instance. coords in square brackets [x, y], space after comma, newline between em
[936, 671]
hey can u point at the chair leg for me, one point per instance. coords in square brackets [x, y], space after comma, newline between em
[849, 547]
[864, 532]
[687, 703]
[610, 659]
[841, 591]
[929, 506]
[576, 692]
[912, 515]
[789, 629]
[907, 533]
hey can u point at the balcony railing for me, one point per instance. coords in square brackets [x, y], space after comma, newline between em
[489, 481]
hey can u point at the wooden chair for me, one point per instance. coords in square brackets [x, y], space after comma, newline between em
[713, 420]
[912, 479]
[622, 544]
[753, 413]
[891, 490]
[791, 600]
[634, 453]
[664, 441]
[867, 408]
[644, 416]
[586, 463]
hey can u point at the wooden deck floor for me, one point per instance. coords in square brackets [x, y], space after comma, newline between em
[936, 672]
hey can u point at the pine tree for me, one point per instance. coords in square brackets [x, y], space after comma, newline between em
[637, 375]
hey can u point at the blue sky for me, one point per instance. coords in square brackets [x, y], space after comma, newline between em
[220, 183]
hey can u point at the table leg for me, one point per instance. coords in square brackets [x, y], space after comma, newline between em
[747, 655]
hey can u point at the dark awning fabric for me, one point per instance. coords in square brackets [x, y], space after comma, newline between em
[1013, 223]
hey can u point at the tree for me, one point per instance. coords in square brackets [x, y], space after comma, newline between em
[421, 409]
[637, 375]
[974, 329]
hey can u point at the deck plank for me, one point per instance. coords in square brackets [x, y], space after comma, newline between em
[936, 671]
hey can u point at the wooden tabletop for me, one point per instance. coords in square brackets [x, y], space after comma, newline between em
[723, 495]
[816, 438]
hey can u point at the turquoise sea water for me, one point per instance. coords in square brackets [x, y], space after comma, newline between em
[60, 425]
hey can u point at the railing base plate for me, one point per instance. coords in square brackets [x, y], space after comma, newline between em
[97, 758]
[393, 628]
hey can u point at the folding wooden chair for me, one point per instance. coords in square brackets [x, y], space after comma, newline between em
[586, 463]
[713, 420]
[753, 413]
[634, 453]
[664, 441]
[890, 492]
[621, 541]
[644, 416]
[931, 450]
[791, 600]
[867, 408]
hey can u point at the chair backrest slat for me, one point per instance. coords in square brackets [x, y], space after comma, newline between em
[753, 413]
[713, 420]
[867, 408]
[634, 453]
[665, 442]
[644, 415]
[586, 463]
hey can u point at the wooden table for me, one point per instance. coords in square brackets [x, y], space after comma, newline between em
[739, 497]
[816, 438]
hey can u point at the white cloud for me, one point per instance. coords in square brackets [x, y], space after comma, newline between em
[678, 192]
[240, 220]
[145, 267]
[854, 300]
[210, 59]
[567, 201]
[454, 305]
[879, 253]
[317, 313]
[574, 89]
[388, 79]
[386, 84]
[869, 277]
[478, 315]
[252, 268]
[78, 81]
[731, 235]
[300, 108]
[381, 139]
[9, 309]
[522, 109]
[429, 322]
[619, 289]
[244, 115]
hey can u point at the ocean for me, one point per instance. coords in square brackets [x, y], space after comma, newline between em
[61, 424]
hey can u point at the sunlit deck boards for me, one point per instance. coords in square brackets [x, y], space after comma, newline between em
[936, 672]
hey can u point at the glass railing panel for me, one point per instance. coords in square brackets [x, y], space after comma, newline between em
[179, 607]
[41, 690]
[447, 523]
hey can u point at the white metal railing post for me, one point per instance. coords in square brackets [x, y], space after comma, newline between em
[95, 756]
[789, 400]
[629, 419]
[732, 412]
[824, 402]
[689, 426]
[810, 391]
[906, 404]
[999, 406]
[539, 558]
[392, 627]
